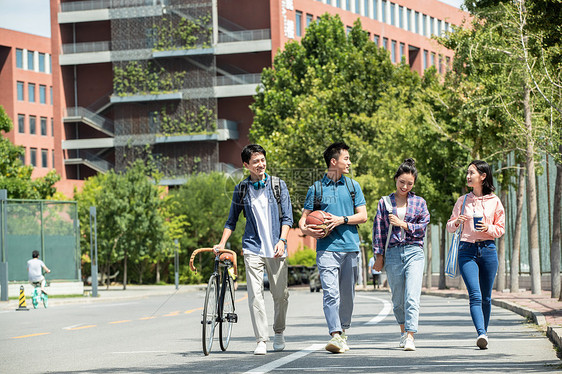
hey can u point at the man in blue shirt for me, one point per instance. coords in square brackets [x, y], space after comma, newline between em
[337, 252]
[269, 216]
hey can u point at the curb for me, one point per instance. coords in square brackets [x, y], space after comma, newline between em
[553, 333]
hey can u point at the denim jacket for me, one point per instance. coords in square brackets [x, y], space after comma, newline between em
[251, 240]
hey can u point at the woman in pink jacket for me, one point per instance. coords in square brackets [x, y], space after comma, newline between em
[483, 221]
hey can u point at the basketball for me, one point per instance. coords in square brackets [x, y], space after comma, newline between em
[316, 219]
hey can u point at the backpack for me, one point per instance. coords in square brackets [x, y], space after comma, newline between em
[275, 184]
[318, 199]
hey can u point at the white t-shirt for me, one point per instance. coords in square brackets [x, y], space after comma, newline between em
[262, 213]
[34, 267]
[401, 213]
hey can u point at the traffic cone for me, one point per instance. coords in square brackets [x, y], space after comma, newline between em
[22, 305]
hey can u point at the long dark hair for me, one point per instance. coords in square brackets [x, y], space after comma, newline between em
[488, 182]
[407, 167]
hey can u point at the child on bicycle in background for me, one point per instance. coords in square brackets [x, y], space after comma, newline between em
[34, 273]
[269, 216]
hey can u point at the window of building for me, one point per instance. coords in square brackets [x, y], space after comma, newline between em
[309, 19]
[393, 51]
[50, 65]
[30, 62]
[44, 126]
[42, 94]
[21, 123]
[33, 156]
[446, 26]
[385, 43]
[376, 9]
[53, 158]
[417, 22]
[425, 57]
[431, 26]
[32, 125]
[347, 4]
[424, 25]
[51, 94]
[338, 3]
[42, 62]
[448, 62]
[19, 58]
[401, 16]
[20, 91]
[348, 30]
[22, 156]
[383, 11]
[376, 39]
[366, 6]
[31, 92]
[432, 59]
[402, 51]
[438, 27]
[52, 127]
[358, 6]
[393, 14]
[298, 22]
[44, 157]
[409, 19]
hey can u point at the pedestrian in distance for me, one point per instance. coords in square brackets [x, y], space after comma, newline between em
[34, 270]
[376, 275]
[337, 252]
[404, 259]
[265, 201]
[483, 222]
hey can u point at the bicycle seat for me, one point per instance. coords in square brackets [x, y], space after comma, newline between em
[36, 284]
[227, 257]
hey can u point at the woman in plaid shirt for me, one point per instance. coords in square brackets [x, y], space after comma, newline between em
[404, 258]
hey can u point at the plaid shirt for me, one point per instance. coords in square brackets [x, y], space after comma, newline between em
[417, 218]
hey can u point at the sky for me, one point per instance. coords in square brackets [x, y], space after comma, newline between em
[32, 16]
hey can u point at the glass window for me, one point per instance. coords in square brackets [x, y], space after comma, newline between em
[376, 39]
[424, 25]
[366, 6]
[392, 14]
[383, 11]
[347, 30]
[393, 51]
[42, 94]
[417, 22]
[51, 94]
[409, 19]
[298, 22]
[376, 9]
[44, 156]
[309, 19]
[19, 58]
[44, 126]
[52, 127]
[31, 92]
[432, 59]
[440, 64]
[53, 159]
[385, 43]
[32, 125]
[401, 17]
[431, 26]
[21, 123]
[33, 156]
[22, 156]
[50, 65]
[30, 65]
[358, 6]
[446, 26]
[448, 62]
[424, 59]
[439, 27]
[42, 62]
[402, 51]
[338, 3]
[20, 91]
[347, 4]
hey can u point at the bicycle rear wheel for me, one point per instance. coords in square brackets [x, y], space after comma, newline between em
[45, 299]
[225, 327]
[209, 320]
[34, 298]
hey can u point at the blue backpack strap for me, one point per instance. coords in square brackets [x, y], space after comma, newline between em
[317, 199]
[352, 193]
[242, 191]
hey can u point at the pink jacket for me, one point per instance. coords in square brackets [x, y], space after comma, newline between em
[493, 213]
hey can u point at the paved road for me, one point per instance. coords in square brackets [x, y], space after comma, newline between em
[161, 334]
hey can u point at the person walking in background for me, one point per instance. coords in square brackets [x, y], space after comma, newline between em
[337, 252]
[34, 273]
[269, 216]
[483, 221]
[404, 258]
[376, 275]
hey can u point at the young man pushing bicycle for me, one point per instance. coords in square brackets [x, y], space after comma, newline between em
[269, 216]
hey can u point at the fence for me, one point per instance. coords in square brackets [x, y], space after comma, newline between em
[50, 227]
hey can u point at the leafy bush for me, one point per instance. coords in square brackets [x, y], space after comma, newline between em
[303, 256]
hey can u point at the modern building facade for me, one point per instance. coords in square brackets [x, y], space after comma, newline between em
[171, 81]
[26, 95]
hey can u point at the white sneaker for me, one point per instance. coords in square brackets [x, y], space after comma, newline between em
[402, 340]
[336, 344]
[482, 341]
[409, 344]
[261, 349]
[345, 346]
[278, 342]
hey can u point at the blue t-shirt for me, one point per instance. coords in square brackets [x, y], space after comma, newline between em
[336, 200]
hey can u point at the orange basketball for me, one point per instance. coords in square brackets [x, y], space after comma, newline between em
[317, 219]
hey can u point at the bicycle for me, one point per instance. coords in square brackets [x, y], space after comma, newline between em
[219, 299]
[38, 295]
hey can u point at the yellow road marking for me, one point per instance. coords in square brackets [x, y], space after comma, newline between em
[124, 321]
[236, 301]
[82, 327]
[144, 318]
[30, 335]
[192, 310]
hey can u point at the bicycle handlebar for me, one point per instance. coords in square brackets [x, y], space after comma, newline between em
[199, 250]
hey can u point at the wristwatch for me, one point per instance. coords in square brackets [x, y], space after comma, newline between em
[345, 219]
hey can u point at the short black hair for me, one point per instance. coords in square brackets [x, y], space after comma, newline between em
[333, 151]
[488, 182]
[407, 167]
[35, 254]
[249, 150]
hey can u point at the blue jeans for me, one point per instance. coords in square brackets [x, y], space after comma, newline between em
[404, 270]
[478, 263]
[338, 275]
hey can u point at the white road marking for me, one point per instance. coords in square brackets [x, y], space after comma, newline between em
[285, 360]
[137, 352]
[386, 308]
[461, 366]
[73, 326]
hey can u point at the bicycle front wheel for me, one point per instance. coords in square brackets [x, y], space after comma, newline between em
[225, 327]
[45, 300]
[209, 320]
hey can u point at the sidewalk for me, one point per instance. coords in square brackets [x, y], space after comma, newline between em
[541, 309]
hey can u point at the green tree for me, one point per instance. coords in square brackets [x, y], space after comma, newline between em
[16, 177]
